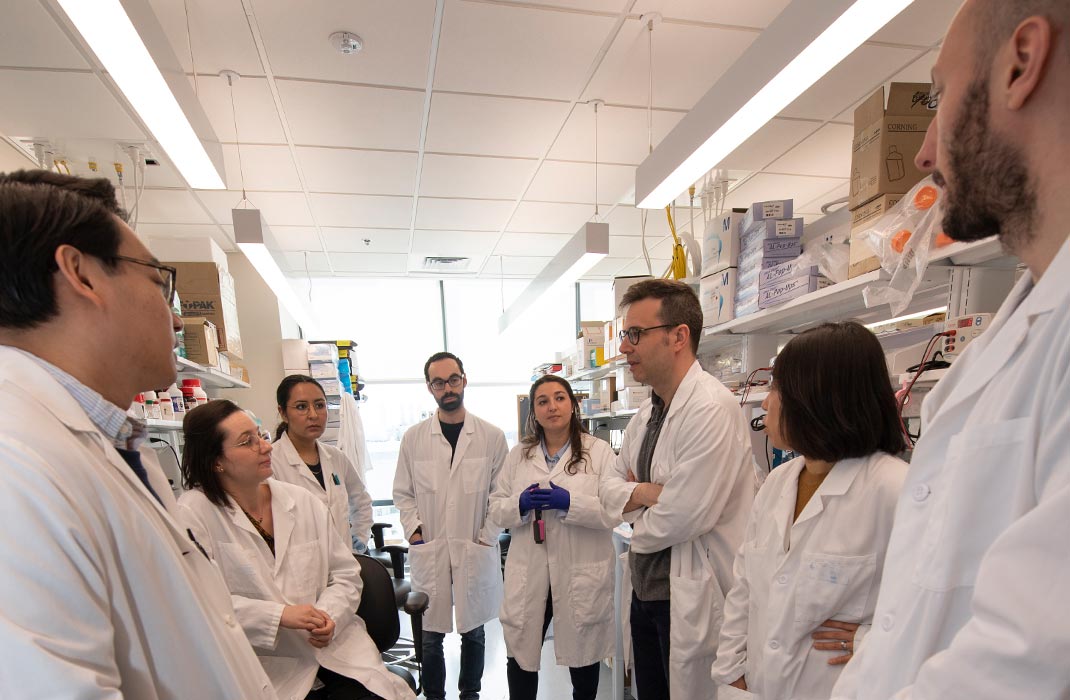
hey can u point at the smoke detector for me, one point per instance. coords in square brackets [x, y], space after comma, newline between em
[346, 42]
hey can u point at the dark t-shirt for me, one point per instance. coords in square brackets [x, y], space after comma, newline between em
[452, 432]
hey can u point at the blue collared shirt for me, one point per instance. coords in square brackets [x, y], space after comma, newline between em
[551, 462]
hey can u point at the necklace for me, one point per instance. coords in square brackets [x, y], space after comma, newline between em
[252, 517]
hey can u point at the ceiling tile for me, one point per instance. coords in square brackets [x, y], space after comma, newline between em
[920, 24]
[608, 267]
[523, 266]
[269, 168]
[351, 210]
[574, 182]
[544, 244]
[622, 134]
[920, 71]
[278, 208]
[688, 60]
[25, 23]
[358, 171]
[296, 238]
[852, 80]
[770, 142]
[604, 6]
[62, 105]
[550, 218]
[327, 114]
[627, 221]
[464, 243]
[396, 36]
[462, 214]
[254, 109]
[513, 50]
[369, 262]
[149, 232]
[764, 187]
[171, 207]
[625, 246]
[493, 125]
[827, 152]
[218, 32]
[753, 13]
[638, 267]
[352, 240]
[464, 176]
[814, 205]
[297, 262]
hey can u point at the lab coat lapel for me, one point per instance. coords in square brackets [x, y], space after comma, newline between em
[464, 440]
[785, 510]
[683, 392]
[284, 517]
[298, 464]
[836, 483]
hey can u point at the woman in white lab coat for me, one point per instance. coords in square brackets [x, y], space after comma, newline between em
[302, 459]
[560, 563]
[295, 585]
[807, 575]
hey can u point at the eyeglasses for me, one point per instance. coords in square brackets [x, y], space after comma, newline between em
[302, 407]
[634, 333]
[454, 381]
[167, 276]
[251, 442]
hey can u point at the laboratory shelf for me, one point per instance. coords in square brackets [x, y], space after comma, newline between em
[209, 376]
[591, 374]
[154, 424]
[623, 413]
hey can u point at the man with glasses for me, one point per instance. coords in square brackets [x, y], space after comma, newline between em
[447, 468]
[103, 594]
[685, 481]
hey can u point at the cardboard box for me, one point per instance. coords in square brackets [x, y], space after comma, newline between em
[631, 397]
[295, 353]
[747, 308]
[771, 253]
[331, 387]
[621, 285]
[717, 296]
[773, 209]
[862, 259]
[207, 291]
[771, 247]
[771, 228]
[886, 141]
[323, 370]
[790, 289]
[322, 352]
[784, 271]
[201, 341]
[625, 379]
[720, 243]
[596, 356]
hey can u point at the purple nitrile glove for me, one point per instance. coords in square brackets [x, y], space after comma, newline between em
[527, 499]
[553, 498]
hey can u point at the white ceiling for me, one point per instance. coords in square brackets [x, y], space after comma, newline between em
[365, 164]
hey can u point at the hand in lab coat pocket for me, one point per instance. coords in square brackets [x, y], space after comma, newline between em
[423, 566]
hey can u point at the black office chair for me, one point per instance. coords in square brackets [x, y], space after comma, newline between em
[392, 556]
[381, 619]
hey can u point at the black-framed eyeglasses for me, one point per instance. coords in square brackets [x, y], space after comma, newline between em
[168, 275]
[454, 381]
[634, 333]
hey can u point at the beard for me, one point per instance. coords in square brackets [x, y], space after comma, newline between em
[990, 193]
[451, 401]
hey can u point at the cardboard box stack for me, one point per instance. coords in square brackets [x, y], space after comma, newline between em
[201, 341]
[720, 258]
[886, 139]
[591, 344]
[207, 291]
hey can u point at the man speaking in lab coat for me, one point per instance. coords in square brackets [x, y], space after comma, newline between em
[973, 603]
[102, 593]
[685, 480]
[447, 468]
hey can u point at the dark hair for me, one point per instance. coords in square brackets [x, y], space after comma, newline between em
[679, 305]
[996, 21]
[441, 356]
[836, 400]
[204, 447]
[39, 212]
[576, 429]
[282, 397]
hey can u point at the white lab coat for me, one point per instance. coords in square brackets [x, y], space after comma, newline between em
[791, 577]
[575, 562]
[310, 566]
[449, 504]
[973, 602]
[342, 492]
[102, 593]
[704, 462]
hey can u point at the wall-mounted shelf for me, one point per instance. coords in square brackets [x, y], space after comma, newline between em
[594, 373]
[623, 413]
[209, 376]
[158, 425]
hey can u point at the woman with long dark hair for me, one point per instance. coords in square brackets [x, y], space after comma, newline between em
[302, 459]
[560, 563]
[807, 576]
[295, 585]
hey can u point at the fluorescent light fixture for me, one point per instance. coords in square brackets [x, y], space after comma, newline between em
[110, 33]
[580, 254]
[251, 233]
[661, 182]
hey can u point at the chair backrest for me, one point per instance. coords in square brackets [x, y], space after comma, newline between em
[378, 606]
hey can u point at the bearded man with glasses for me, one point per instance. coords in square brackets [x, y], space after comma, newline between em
[447, 467]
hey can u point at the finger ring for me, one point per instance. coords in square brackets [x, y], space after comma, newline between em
[843, 645]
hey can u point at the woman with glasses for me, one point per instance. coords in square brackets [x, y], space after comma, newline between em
[560, 563]
[301, 458]
[807, 575]
[295, 585]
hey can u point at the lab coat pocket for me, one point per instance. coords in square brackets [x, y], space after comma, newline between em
[514, 602]
[239, 567]
[425, 476]
[590, 593]
[423, 566]
[833, 586]
[696, 606]
[980, 471]
[308, 570]
[482, 597]
[475, 475]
